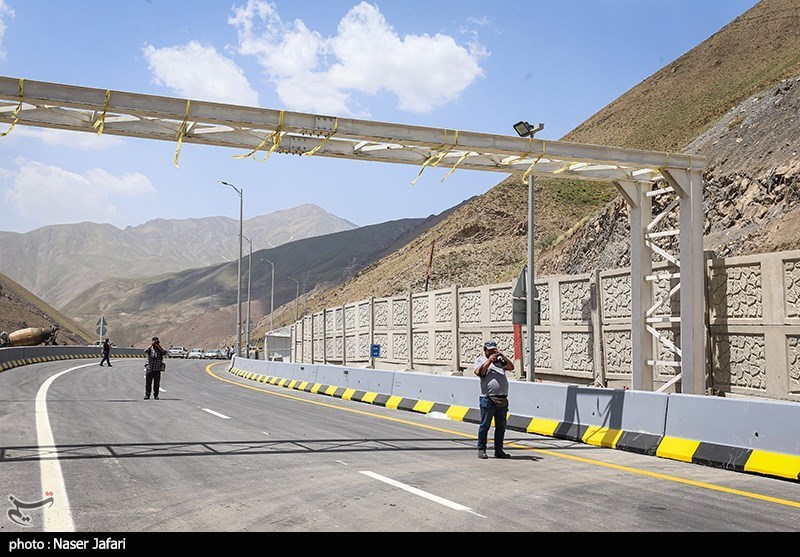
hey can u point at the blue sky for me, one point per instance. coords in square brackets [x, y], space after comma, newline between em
[468, 65]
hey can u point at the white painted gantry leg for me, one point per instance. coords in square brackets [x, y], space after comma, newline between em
[688, 359]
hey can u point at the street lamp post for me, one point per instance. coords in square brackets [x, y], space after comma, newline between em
[524, 129]
[296, 296]
[240, 192]
[271, 308]
[249, 280]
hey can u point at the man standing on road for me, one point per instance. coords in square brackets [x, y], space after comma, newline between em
[491, 367]
[153, 368]
[106, 352]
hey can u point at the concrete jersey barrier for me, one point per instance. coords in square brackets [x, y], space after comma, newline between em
[753, 436]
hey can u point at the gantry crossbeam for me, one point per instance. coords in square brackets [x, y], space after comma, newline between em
[260, 132]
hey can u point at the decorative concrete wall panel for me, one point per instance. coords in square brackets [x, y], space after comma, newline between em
[791, 275]
[400, 313]
[736, 292]
[382, 313]
[616, 297]
[443, 345]
[350, 347]
[469, 307]
[793, 358]
[350, 317]
[400, 347]
[576, 301]
[420, 310]
[363, 315]
[545, 315]
[578, 351]
[444, 307]
[363, 346]
[618, 352]
[500, 306]
[421, 346]
[739, 361]
[471, 348]
[383, 340]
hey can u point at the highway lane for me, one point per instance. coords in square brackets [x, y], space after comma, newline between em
[218, 453]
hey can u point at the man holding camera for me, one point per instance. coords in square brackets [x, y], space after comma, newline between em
[491, 368]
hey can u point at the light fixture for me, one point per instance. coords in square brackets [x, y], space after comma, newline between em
[524, 129]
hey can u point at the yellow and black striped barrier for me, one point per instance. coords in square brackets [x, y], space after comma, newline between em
[698, 452]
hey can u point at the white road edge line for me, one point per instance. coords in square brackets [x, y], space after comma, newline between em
[223, 416]
[58, 516]
[425, 494]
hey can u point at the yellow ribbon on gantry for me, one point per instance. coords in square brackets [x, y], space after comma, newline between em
[101, 122]
[182, 131]
[439, 153]
[276, 141]
[15, 114]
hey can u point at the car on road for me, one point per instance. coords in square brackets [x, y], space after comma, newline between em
[196, 353]
[214, 355]
[177, 352]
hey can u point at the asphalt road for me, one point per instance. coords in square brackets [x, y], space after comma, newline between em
[221, 454]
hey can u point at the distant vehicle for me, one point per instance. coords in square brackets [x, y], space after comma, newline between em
[196, 353]
[177, 352]
[97, 343]
[214, 355]
[30, 336]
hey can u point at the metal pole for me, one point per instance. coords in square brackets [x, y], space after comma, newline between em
[296, 296]
[249, 279]
[529, 287]
[240, 192]
[271, 309]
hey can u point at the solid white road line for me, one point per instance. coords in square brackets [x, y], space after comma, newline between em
[223, 416]
[425, 494]
[58, 516]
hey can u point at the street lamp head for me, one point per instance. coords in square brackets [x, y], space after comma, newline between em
[237, 190]
[524, 129]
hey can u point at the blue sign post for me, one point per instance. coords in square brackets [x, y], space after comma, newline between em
[376, 350]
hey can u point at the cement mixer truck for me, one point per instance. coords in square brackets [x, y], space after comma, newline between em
[31, 336]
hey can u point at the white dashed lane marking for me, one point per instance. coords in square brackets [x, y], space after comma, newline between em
[217, 414]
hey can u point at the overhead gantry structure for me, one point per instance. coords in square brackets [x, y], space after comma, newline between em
[259, 132]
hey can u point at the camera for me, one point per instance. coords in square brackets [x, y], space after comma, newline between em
[500, 361]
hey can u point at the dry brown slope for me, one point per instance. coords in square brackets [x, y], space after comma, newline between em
[20, 309]
[669, 109]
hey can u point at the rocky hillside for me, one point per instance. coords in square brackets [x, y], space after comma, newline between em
[731, 99]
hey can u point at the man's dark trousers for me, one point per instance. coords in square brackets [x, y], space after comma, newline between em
[152, 380]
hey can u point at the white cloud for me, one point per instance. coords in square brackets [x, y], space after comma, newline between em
[5, 12]
[316, 74]
[199, 72]
[47, 194]
[77, 140]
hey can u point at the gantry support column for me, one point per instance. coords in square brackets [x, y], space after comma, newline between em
[641, 288]
[689, 186]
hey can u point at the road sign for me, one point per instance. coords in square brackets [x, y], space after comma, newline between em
[376, 350]
[101, 327]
